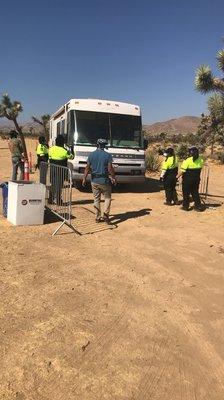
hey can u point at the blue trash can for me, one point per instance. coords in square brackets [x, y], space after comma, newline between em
[4, 187]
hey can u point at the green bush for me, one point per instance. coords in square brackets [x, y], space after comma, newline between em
[152, 161]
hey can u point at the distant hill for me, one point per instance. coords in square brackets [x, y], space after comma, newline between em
[183, 125]
[28, 127]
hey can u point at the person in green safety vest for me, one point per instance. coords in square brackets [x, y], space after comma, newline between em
[168, 176]
[190, 172]
[58, 154]
[42, 151]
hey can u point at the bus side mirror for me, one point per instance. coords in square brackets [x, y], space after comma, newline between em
[145, 144]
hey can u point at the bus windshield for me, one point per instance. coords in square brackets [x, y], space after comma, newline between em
[125, 130]
[120, 130]
[91, 126]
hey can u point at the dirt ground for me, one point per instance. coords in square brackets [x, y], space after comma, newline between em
[131, 313]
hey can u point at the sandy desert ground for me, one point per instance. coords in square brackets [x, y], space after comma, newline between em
[131, 313]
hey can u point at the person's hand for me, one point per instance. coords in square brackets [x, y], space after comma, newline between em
[84, 182]
[113, 180]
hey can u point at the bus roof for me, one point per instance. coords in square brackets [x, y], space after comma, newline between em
[99, 105]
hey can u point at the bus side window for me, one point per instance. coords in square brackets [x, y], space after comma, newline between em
[70, 128]
[58, 128]
[63, 131]
[62, 127]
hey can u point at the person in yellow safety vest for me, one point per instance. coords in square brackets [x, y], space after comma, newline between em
[168, 176]
[190, 172]
[42, 151]
[58, 154]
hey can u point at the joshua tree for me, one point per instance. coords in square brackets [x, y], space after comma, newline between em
[11, 110]
[43, 121]
[216, 108]
[211, 126]
[205, 81]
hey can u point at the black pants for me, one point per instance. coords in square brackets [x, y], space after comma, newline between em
[170, 188]
[190, 188]
[43, 170]
[57, 182]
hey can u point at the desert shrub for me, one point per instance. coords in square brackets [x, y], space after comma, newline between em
[152, 161]
[219, 156]
[182, 151]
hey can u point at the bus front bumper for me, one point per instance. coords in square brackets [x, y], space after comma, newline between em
[119, 178]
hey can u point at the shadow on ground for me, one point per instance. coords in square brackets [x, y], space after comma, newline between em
[51, 218]
[212, 205]
[82, 202]
[118, 218]
[150, 185]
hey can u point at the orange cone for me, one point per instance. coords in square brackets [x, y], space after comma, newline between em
[26, 171]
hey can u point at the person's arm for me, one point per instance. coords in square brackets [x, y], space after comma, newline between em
[112, 173]
[86, 172]
[70, 156]
[162, 174]
[164, 169]
[183, 168]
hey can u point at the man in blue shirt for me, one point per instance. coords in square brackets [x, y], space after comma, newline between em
[99, 164]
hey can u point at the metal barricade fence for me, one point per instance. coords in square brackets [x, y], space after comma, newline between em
[204, 181]
[203, 188]
[58, 182]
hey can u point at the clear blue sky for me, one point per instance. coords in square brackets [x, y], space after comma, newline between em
[143, 52]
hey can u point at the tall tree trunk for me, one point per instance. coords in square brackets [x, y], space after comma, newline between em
[19, 130]
[46, 133]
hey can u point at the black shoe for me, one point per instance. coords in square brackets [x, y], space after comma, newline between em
[184, 208]
[106, 218]
[97, 220]
[168, 203]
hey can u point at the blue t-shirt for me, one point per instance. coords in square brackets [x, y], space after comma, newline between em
[98, 161]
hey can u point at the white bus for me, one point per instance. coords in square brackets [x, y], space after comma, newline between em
[83, 121]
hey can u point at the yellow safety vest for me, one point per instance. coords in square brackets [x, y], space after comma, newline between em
[59, 153]
[42, 150]
[190, 164]
[170, 163]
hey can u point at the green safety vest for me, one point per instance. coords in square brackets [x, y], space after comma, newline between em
[170, 163]
[42, 150]
[190, 164]
[59, 153]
